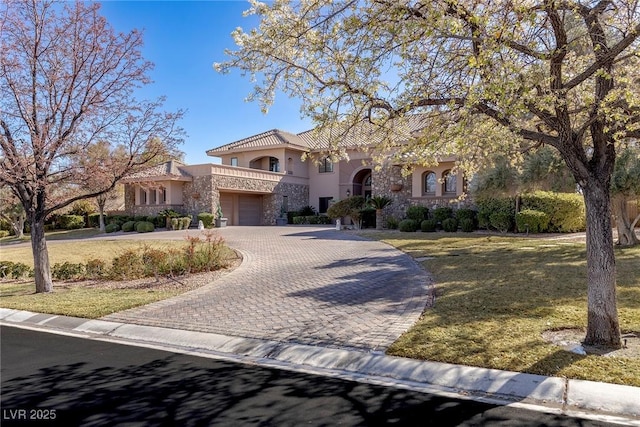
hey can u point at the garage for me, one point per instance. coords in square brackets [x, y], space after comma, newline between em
[249, 209]
[242, 209]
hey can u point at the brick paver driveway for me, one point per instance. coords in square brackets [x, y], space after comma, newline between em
[307, 285]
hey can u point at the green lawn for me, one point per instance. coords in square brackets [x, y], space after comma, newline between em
[496, 296]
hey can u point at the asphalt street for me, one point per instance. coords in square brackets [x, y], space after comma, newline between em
[51, 379]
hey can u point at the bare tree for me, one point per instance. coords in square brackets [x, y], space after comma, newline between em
[487, 74]
[67, 82]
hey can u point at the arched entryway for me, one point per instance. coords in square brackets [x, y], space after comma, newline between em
[362, 183]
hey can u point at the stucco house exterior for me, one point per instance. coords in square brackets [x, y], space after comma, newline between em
[274, 171]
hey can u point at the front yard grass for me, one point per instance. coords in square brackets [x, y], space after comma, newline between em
[497, 295]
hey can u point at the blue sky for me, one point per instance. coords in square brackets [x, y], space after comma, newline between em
[183, 39]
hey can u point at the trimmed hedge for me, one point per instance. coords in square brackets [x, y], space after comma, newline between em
[532, 221]
[566, 211]
[441, 213]
[71, 222]
[112, 228]
[408, 225]
[129, 226]
[428, 225]
[501, 221]
[467, 225]
[144, 227]
[450, 225]
[417, 213]
[207, 219]
[506, 206]
[311, 219]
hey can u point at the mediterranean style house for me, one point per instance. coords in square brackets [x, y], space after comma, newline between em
[261, 176]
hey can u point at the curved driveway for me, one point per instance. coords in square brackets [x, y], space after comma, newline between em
[307, 285]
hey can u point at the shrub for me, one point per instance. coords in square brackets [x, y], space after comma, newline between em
[501, 221]
[127, 265]
[368, 216]
[82, 208]
[128, 226]
[13, 270]
[94, 220]
[307, 211]
[428, 225]
[533, 221]
[465, 213]
[139, 218]
[175, 224]
[417, 213]
[467, 225]
[566, 211]
[408, 225]
[185, 222]
[4, 233]
[111, 228]
[68, 271]
[154, 262]
[95, 268]
[490, 205]
[70, 222]
[392, 223]
[206, 218]
[450, 225]
[144, 227]
[441, 213]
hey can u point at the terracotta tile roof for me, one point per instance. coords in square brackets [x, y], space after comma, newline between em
[361, 135]
[168, 170]
[262, 140]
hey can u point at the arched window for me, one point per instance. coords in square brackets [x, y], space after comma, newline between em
[429, 183]
[274, 164]
[449, 182]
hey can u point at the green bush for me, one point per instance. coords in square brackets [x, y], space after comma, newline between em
[490, 205]
[417, 213]
[144, 227]
[82, 208]
[94, 220]
[501, 221]
[206, 218]
[185, 222]
[70, 222]
[139, 218]
[307, 211]
[467, 225]
[428, 225]
[465, 213]
[175, 224]
[566, 211]
[4, 233]
[14, 270]
[408, 225]
[441, 213]
[111, 228]
[532, 221]
[68, 271]
[450, 225]
[128, 226]
[392, 223]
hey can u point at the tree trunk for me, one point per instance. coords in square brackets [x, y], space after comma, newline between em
[626, 232]
[17, 224]
[41, 266]
[101, 220]
[379, 219]
[603, 328]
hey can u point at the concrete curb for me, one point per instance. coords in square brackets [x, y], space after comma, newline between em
[552, 393]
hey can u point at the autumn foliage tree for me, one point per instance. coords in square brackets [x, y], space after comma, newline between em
[67, 81]
[487, 74]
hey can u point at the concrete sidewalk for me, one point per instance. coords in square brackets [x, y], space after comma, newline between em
[608, 402]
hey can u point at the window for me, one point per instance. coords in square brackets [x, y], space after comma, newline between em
[143, 196]
[449, 182]
[326, 165]
[234, 161]
[274, 164]
[324, 204]
[152, 197]
[162, 196]
[430, 183]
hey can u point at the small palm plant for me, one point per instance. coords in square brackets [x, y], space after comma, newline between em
[379, 203]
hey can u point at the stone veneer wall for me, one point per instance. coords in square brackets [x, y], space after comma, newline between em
[198, 196]
[383, 181]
